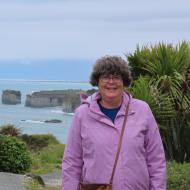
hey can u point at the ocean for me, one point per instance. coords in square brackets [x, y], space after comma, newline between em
[31, 120]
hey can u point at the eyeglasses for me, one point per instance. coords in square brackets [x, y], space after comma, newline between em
[107, 78]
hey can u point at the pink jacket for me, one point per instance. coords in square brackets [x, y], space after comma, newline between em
[92, 145]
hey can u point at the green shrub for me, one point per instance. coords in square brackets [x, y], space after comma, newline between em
[178, 176]
[10, 129]
[14, 155]
[166, 67]
[38, 141]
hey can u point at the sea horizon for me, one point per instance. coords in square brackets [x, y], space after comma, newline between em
[44, 80]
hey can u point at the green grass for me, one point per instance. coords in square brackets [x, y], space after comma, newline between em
[48, 159]
[178, 176]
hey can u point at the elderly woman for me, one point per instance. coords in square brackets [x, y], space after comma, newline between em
[95, 133]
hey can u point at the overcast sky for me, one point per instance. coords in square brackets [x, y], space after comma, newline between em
[88, 29]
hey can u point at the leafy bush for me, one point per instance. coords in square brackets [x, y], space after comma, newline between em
[166, 68]
[14, 155]
[10, 129]
[38, 141]
[178, 176]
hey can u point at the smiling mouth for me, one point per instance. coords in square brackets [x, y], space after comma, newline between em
[111, 89]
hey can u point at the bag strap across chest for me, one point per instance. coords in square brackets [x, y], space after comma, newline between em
[120, 142]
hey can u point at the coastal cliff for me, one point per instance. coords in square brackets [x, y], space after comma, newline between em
[11, 97]
[68, 99]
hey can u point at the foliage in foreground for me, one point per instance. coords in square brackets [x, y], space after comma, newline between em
[162, 78]
[178, 176]
[45, 151]
[36, 142]
[10, 129]
[14, 155]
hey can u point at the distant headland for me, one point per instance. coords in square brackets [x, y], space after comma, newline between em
[68, 99]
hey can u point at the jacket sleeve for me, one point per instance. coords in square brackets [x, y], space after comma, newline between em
[155, 154]
[72, 159]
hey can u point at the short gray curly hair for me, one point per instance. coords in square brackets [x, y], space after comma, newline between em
[111, 65]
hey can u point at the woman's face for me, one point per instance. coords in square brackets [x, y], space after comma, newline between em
[111, 87]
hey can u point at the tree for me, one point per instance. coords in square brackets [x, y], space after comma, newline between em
[167, 72]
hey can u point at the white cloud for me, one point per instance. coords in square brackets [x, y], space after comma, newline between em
[88, 29]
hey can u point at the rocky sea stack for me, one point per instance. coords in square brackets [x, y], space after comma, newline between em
[68, 99]
[11, 97]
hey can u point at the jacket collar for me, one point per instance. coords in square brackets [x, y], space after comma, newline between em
[98, 115]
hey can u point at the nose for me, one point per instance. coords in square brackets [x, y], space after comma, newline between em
[110, 80]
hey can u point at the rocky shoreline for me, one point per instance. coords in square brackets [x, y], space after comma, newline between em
[11, 97]
[67, 99]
